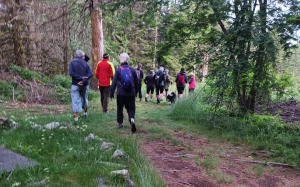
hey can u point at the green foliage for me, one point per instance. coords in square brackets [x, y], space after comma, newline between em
[62, 80]
[25, 73]
[283, 82]
[61, 94]
[262, 132]
[5, 90]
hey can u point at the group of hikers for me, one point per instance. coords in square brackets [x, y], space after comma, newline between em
[125, 82]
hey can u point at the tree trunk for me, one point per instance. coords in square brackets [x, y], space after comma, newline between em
[17, 36]
[155, 43]
[205, 66]
[35, 63]
[66, 38]
[97, 38]
[260, 58]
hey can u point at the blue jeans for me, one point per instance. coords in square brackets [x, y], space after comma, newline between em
[79, 97]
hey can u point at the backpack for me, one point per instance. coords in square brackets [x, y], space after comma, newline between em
[126, 79]
[157, 77]
[180, 80]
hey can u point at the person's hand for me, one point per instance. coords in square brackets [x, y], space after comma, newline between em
[80, 83]
[84, 77]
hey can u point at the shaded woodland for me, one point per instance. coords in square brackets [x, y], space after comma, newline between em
[246, 46]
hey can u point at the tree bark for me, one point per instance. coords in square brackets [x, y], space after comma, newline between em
[66, 38]
[17, 36]
[97, 38]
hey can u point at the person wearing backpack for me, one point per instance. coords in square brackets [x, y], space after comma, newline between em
[159, 84]
[181, 80]
[81, 73]
[140, 75]
[150, 84]
[192, 83]
[126, 82]
[167, 81]
[105, 71]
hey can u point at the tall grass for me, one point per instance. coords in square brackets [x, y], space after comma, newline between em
[261, 132]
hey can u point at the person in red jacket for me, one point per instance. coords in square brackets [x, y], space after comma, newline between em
[105, 73]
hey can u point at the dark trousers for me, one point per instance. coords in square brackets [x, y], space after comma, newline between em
[139, 91]
[159, 89]
[104, 91]
[129, 103]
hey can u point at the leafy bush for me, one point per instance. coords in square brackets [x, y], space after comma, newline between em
[283, 82]
[27, 74]
[5, 90]
[62, 80]
[62, 94]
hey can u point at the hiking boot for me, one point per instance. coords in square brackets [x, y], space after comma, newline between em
[157, 101]
[133, 128]
[146, 99]
[140, 99]
[76, 119]
[85, 115]
[120, 126]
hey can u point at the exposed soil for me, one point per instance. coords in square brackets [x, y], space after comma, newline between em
[185, 162]
[180, 164]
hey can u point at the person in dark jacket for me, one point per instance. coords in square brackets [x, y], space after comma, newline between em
[140, 75]
[159, 83]
[81, 73]
[181, 80]
[125, 97]
[150, 84]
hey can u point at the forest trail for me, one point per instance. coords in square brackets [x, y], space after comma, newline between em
[184, 158]
[190, 160]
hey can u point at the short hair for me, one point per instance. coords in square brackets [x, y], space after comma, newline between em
[151, 72]
[105, 55]
[79, 53]
[140, 65]
[124, 57]
[182, 69]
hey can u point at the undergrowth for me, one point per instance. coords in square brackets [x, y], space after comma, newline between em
[261, 132]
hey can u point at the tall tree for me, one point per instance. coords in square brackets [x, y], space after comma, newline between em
[97, 36]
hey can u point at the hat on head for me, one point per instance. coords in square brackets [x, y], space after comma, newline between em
[105, 55]
[192, 74]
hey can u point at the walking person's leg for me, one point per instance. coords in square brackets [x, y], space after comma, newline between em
[161, 92]
[120, 105]
[84, 99]
[147, 93]
[157, 94]
[76, 101]
[140, 91]
[180, 92]
[130, 107]
[151, 93]
[101, 88]
[105, 98]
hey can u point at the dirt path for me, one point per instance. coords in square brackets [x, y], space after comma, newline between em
[194, 162]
